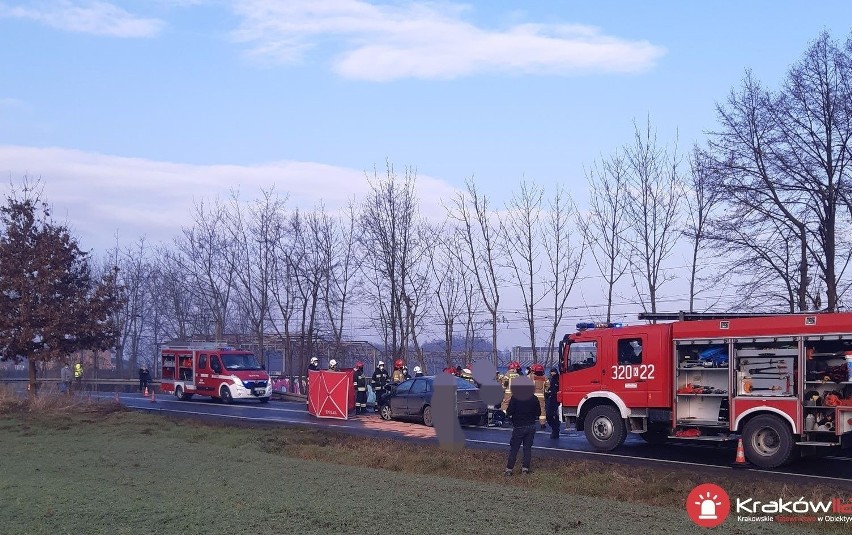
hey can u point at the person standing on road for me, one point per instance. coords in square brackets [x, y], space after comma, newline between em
[359, 381]
[65, 378]
[78, 375]
[144, 378]
[314, 365]
[551, 408]
[380, 382]
[523, 411]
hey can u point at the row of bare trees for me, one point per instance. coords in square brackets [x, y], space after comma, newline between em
[759, 209]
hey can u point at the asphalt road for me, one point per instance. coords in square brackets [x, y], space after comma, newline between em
[709, 458]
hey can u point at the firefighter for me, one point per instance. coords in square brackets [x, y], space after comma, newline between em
[512, 373]
[332, 366]
[418, 372]
[398, 375]
[406, 376]
[380, 382]
[314, 365]
[467, 375]
[551, 403]
[537, 371]
[359, 381]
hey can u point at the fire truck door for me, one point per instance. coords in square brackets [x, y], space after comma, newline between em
[629, 374]
[203, 373]
[583, 373]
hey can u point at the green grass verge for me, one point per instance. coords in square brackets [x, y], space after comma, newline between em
[95, 469]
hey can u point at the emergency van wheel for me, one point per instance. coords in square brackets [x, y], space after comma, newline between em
[225, 394]
[179, 393]
[768, 441]
[427, 416]
[604, 428]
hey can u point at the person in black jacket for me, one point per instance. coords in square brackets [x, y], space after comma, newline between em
[380, 382]
[523, 411]
[314, 365]
[551, 407]
[359, 381]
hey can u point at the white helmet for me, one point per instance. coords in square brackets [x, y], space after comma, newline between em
[417, 369]
[381, 363]
[332, 363]
[314, 360]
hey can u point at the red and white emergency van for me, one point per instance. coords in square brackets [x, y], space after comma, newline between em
[782, 383]
[219, 372]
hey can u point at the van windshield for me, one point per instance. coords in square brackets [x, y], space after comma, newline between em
[240, 362]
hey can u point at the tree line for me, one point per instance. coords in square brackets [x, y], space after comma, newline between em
[760, 206]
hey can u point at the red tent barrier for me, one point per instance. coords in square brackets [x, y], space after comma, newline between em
[331, 394]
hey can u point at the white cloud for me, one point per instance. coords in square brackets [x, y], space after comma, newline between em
[99, 195]
[89, 16]
[419, 40]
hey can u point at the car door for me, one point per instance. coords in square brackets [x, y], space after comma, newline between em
[582, 372]
[399, 399]
[417, 396]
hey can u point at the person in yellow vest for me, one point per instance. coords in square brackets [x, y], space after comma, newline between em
[512, 373]
[539, 380]
[398, 375]
[78, 375]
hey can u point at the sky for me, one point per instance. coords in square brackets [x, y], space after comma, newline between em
[129, 112]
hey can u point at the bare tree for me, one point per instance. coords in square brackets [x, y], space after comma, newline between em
[480, 231]
[448, 275]
[654, 199]
[521, 230]
[343, 261]
[702, 198]
[606, 222]
[564, 257]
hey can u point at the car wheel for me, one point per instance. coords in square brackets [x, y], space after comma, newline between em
[385, 412]
[225, 394]
[605, 428]
[427, 416]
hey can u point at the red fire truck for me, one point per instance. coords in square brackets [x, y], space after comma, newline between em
[781, 383]
[213, 370]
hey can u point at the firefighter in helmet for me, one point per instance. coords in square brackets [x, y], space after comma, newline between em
[313, 366]
[405, 375]
[332, 366]
[513, 372]
[359, 381]
[380, 382]
[537, 375]
[398, 375]
[418, 372]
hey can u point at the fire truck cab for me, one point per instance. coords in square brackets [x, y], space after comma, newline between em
[781, 383]
[220, 372]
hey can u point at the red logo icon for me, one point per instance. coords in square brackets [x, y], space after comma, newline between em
[708, 505]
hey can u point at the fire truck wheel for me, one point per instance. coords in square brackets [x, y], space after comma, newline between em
[179, 393]
[225, 393]
[768, 441]
[604, 428]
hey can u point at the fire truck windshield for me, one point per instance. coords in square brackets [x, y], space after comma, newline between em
[240, 362]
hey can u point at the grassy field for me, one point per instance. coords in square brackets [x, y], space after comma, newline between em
[92, 468]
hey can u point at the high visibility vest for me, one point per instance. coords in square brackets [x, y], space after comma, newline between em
[78, 370]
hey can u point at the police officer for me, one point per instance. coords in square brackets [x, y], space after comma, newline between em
[380, 382]
[78, 375]
[359, 381]
[552, 403]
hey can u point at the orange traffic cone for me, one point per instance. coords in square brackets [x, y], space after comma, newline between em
[740, 461]
[146, 392]
[153, 397]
